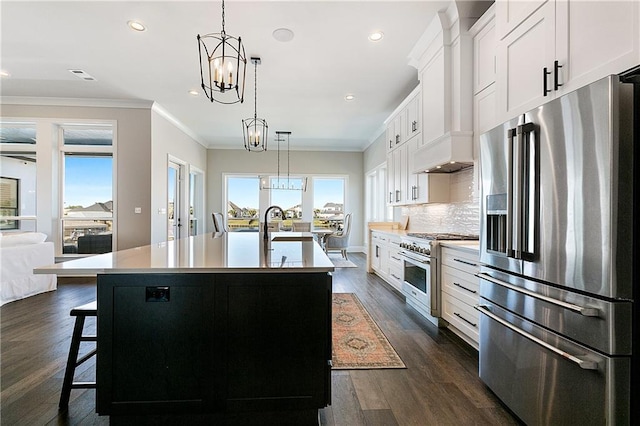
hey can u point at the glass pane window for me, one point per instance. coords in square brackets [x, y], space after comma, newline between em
[243, 203]
[18, 191]
[328, 202]
[18, 133]
[88, 202]
[289, 200]
[88, 136]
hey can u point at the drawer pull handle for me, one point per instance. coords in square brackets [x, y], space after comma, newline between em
[466, 262]
[394, 276]
[396, 258]
[465, 288]
[582, 310]
[465, 320]
[582, 363]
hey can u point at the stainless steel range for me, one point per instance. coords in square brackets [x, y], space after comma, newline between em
[421, 287]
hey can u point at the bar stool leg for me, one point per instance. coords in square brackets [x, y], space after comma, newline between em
[71, 363]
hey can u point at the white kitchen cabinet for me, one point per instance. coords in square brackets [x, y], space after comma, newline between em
[413, 119]
[424, 188]
[484, 51]
[408, 188]
[385, 260]
[460, 290]
[390, 136]
[436, 105]
[511, 13]
[564, 45]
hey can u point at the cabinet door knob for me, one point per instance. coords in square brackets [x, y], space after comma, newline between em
[556, 68]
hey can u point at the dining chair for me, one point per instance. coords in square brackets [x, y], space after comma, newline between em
[340, 240]
[218, 222]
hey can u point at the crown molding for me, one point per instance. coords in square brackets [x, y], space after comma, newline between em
[158, 109]
[76, 102]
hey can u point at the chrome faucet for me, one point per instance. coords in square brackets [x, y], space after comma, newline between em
[266, 216]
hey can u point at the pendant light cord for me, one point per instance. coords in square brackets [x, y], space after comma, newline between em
[255, 92]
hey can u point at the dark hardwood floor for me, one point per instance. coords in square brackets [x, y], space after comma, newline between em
[439, 387]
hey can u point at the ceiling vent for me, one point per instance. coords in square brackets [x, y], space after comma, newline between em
[82, 75]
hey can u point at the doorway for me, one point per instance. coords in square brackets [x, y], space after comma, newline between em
[174, 187]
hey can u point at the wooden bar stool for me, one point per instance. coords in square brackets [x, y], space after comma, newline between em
[80, 312]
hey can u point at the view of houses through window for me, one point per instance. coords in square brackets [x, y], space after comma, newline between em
[322, 204]
[87, 194]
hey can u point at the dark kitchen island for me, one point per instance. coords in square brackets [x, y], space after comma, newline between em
[228, 328]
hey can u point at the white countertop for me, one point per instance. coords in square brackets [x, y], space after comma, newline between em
[471, 246]
[227, 252]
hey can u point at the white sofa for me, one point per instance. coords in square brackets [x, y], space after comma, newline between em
[19, 254]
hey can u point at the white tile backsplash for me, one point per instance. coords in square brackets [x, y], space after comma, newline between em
[461, 214]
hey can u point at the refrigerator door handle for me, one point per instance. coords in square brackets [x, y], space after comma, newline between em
[529, 191]
[582, 363]
[582, 310]
[518, 187]
[509, 225]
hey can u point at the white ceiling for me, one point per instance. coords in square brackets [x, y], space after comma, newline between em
[301, 83]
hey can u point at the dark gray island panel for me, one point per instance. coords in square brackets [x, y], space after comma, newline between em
[214, 343]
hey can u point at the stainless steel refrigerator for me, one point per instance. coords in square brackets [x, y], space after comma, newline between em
[557, 244]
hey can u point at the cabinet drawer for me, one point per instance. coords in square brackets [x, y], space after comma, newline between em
[395, 261]
[460, 284]
[460, 315]
[460, 259]
[395, 277]
[379, 237]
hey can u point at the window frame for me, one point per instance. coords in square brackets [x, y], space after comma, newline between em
[64, 150]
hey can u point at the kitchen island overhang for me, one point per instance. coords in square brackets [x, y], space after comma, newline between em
[223, 325]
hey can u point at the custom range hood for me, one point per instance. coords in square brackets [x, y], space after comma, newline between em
[449, 153]
[443, 57]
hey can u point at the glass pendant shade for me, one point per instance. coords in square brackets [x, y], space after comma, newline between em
[255, 130]
[223, 65]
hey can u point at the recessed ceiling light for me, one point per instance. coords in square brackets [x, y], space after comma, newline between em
[193, 92]
[136, 25]
[349, 97]
[4, 73]
[283, 34]
[376, 36]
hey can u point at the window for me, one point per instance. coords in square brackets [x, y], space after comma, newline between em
[87, 189]
[289, 199]
[243, 203]
[328, 202]
[18, 184]
[9, 203]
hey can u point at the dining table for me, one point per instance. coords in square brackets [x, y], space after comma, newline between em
[321, 234]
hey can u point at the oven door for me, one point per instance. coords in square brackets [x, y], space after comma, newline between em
[417, 286]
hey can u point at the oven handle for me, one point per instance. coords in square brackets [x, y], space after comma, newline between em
[582, 363]
[414, 259]
[587, 312]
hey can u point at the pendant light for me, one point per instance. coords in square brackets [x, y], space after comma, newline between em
[255, 130]
[223, 65]
[284, 182]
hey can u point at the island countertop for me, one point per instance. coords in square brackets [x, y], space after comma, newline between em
[230, 252]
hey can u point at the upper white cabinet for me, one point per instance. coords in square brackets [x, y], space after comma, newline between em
[413, 117]
[511, 13]
[484, 51]
[559, 46]
[435, 103]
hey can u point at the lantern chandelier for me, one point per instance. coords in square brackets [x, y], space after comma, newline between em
[283, 182]
[218, 77]
[255, 130]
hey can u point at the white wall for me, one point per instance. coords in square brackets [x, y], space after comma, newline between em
[170, 142]
[375, 154]
[133, 169]
[308, 163]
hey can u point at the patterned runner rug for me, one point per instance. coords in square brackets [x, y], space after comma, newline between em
[358, 342]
